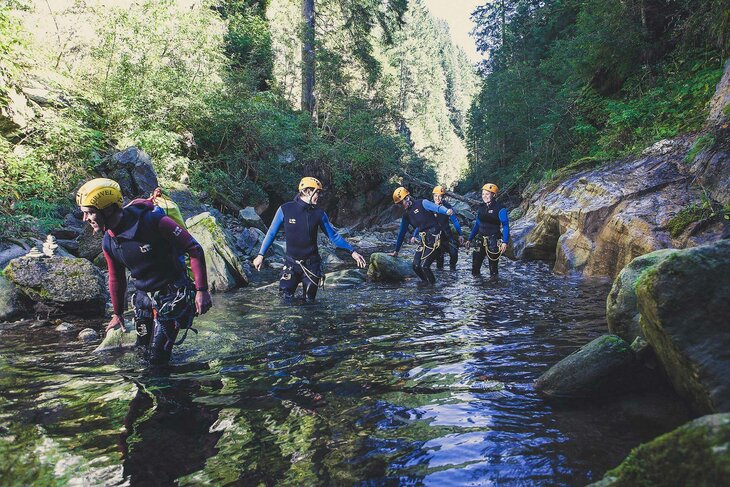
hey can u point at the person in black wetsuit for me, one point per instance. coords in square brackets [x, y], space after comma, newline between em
[448, 243]
[421, 215]
[491, 230]
[301, 220]
[150, 245]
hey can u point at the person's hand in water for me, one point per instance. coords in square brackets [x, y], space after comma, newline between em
[115, 322]
[203, 302]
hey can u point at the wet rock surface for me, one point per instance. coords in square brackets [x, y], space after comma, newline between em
[225, 264]
[386, 268]
[693, 454]
[606, 366]
[684, 307]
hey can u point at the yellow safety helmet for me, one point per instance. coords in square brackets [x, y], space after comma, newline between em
[400, 194]
[308, 182]
[439, 190]
[99, 193]
[492, 188]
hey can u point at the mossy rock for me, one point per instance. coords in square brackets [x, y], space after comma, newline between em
[622, 312]
[684, 307]
[62, 285]
[12, 304]
[605, 366]
[386, 268]
[224, 263]
[696, 454]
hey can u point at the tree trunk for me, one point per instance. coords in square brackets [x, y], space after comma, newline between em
[308, 58]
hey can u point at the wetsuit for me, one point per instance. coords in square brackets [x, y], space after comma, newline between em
[490, 217]
[421, 215]
[448, 243]
[301, 223]
[150, 245]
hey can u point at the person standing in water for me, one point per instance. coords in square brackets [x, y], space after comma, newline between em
[150, 245]
[491, 230]
[421, 215]
[301, 220]
[449, 245]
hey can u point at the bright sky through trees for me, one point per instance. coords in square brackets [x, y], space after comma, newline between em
[457, 14]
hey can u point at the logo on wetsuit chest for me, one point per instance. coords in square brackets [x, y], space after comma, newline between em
[177, 231]
[145, 248]
[491, 211]
[293, 221]
[415, 211]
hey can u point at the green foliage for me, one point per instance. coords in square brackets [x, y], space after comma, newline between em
[686, 217]
[570, 79]
[705, 141]
[12, 44]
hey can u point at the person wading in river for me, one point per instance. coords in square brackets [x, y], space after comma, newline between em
[148, 244]
[448, 243]
[491, 242]
[301, 220]
[421, 215]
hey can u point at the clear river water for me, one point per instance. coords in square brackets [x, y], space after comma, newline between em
[373, 385]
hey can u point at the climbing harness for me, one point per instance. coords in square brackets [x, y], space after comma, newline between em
[490, 254]
[175, 306]
[424, 245]
[316, 280]
[493, 256]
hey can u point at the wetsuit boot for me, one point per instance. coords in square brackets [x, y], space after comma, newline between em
[162, 342]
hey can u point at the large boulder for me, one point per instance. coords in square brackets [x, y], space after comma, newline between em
[12, 304]
[60, 285]
[694, 454]
[622, 311]
[225, 265]
[189, 204]
[383, 267]
[603, 367]
[10, 250]
[684, 307]
[132, 169]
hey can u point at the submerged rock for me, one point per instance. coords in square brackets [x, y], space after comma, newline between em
[224, 263]
[117, 339]
[684, 307]
[61, 285]
[622, 311]
[383, 267]
[345, 278]
[88, 335]
[697, 453]
[603, 367]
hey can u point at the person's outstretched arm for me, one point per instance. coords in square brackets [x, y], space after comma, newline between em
[269, 239]
[339, 241]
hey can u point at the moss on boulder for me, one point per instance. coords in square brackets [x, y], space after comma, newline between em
[684, 307]
[63, 285]
[622, 312]
[386, 268]
[697, 453]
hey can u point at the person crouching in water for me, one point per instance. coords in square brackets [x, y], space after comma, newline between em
[150, 245]
[301, 220]
[449, 245]
[491, 242]
[420, 214]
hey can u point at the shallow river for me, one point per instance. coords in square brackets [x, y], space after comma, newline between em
[376, 385]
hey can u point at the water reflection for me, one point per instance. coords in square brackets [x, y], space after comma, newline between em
[378, 385]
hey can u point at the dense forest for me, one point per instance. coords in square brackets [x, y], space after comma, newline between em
[213, 92]
[578, 82]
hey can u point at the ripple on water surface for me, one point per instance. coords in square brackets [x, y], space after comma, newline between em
[375, 385]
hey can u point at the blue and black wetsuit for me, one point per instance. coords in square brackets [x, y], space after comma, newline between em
[421, 215]
[301, 223]
[448, 243]
[492, 224]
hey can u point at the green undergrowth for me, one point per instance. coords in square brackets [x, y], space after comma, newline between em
[704, 142]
